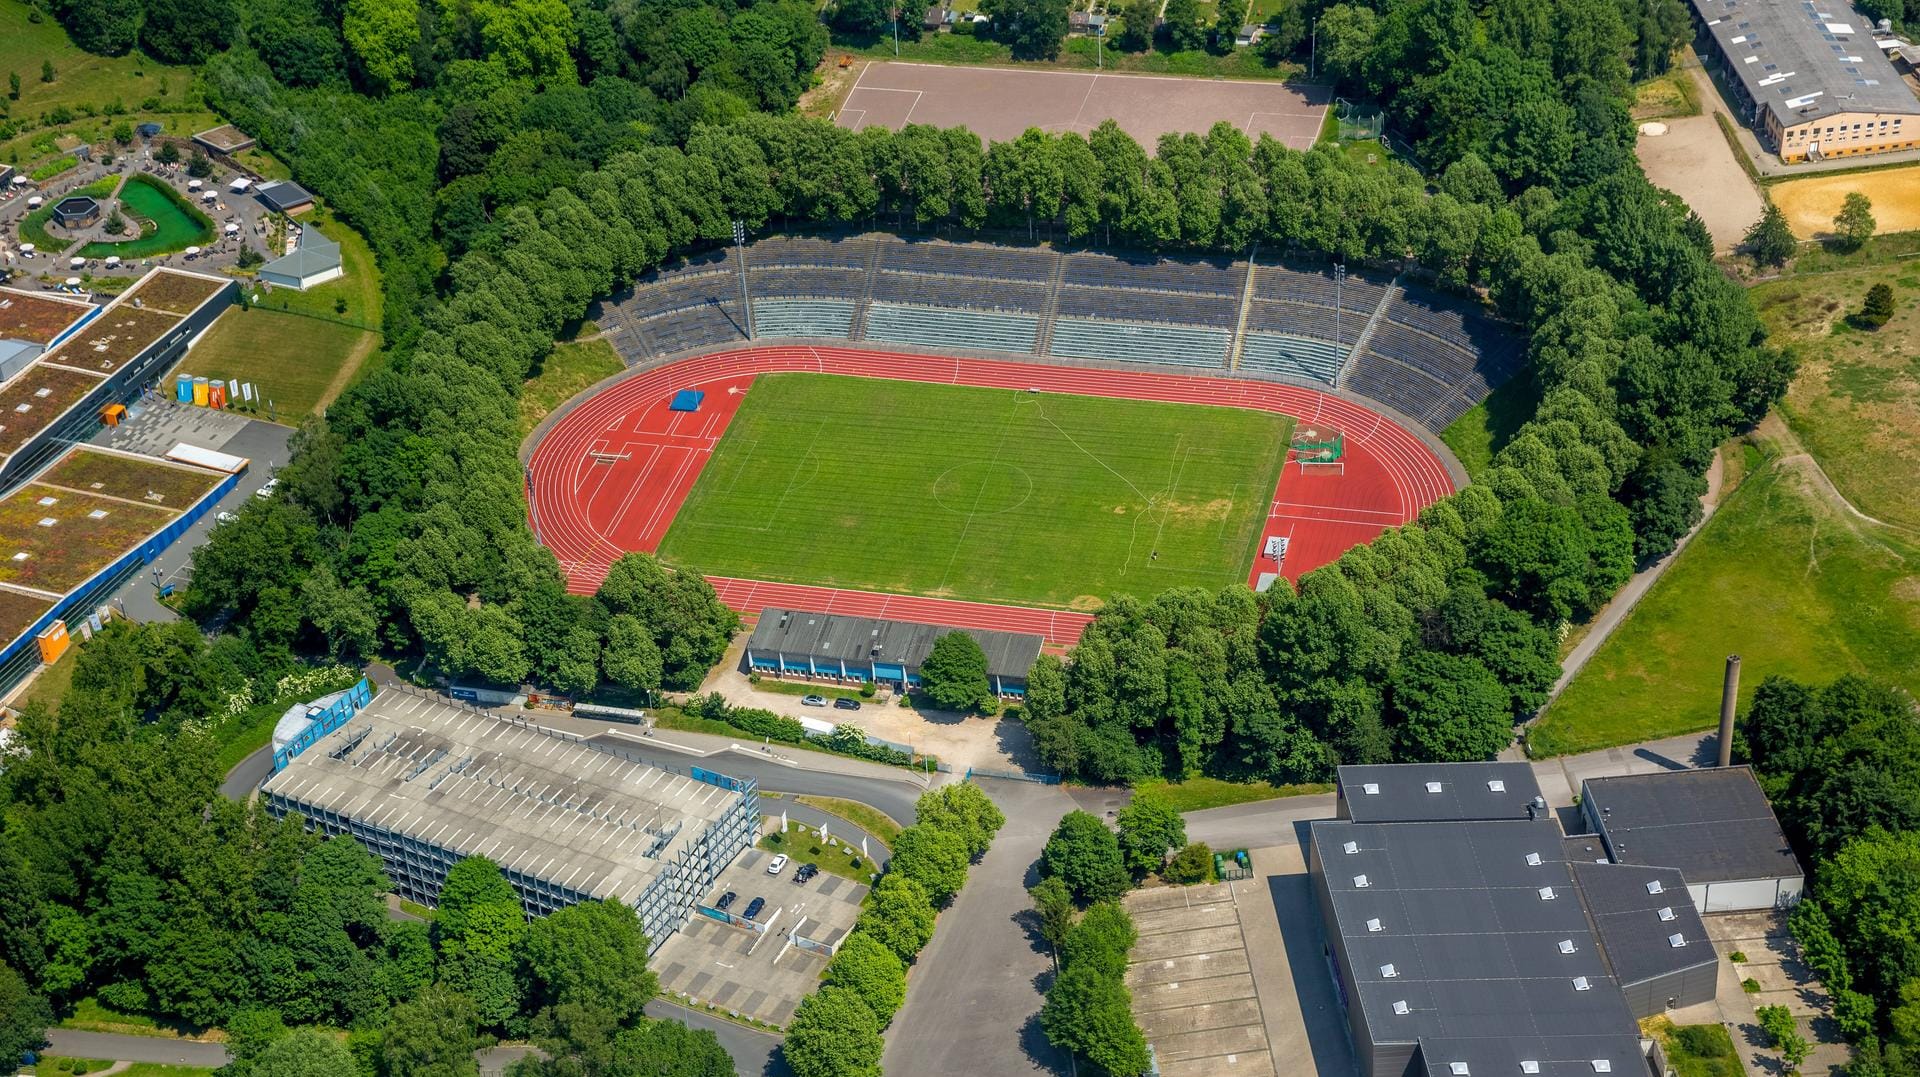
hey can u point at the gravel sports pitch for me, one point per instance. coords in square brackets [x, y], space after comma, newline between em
[991, 495]
[1001, 103]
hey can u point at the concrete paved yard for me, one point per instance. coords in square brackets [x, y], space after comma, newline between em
[1192, 983]
[755, 974]
[1773, 961]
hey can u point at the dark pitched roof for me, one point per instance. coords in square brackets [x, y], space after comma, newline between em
[1483, 963]
[1637, 912]
[1804, 60]
[1712, 824]
[1405, 793]
[854, 639]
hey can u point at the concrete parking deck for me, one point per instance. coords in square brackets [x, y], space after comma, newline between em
[1192, 983]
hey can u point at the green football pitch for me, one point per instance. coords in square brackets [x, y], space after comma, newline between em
[991, 495]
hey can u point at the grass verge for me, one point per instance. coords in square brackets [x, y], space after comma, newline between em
[92, 1015]
[868, 818]
[803, 688]
[1696, 1050]
[1483, 429]
[1782, 576]
[567, 370]
[800, 843]
[1195, 794]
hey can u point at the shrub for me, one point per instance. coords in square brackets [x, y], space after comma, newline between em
[1750, 985]
[1878, 309]
[1703, 1041]
[1737, 957]
[867, 690]
[1193, 864]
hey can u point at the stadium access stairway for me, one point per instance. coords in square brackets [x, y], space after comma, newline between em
[941, 327]
[1086, 338]
[1295, 357]
[803, 318]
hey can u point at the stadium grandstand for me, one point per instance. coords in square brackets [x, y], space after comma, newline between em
[1427, 356]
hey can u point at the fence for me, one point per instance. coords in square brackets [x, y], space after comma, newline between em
[1010, 775]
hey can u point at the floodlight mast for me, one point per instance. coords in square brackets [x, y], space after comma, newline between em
[740, 249]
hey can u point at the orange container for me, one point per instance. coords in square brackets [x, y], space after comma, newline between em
[53, 641]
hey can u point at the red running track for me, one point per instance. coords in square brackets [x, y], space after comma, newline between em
[610, 475]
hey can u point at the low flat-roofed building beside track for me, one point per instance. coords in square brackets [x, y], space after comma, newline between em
[1809, 77]
[103, 358]
[423, 784]
[1713, 825]
[838, 647]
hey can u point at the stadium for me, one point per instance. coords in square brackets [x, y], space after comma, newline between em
[1002, 437]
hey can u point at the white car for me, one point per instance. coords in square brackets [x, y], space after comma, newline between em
[225, 517]
[779, 862]
[267, 490]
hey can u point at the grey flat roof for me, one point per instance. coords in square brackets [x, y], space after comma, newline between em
[1637, 925]
[1805, 60]
[852, 639]
[1402, 793]
[283, 194]
[532, 800]
[1481, 962]
[1558, 1056]
[1712, 824]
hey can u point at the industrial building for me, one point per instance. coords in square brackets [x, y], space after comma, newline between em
[1713, 825]
[852, 650]
[284, 196]
[1437, 792]
[423, 784]
[1471, 940]
[1809, 76]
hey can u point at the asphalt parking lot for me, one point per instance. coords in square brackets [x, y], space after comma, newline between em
[759, 974]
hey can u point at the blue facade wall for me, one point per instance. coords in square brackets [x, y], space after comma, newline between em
[140, 555]
[325, 722]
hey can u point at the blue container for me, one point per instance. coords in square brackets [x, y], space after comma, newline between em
[183, 389]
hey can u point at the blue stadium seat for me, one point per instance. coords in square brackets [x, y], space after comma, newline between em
[832, 318]
[939, 327]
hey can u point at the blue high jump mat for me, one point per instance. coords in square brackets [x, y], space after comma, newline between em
[687, 400]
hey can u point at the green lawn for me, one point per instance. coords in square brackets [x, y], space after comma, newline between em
[983, 494]
[1779, 576]
[1698, 1050]
[1479, 433]
[33, 227]
[1076, 54]
[1856, 400]
[1194, 794]
[868, 818]
[799, 843]
[166, 222]
[297, 361]
[567, 370]
[803, 688]
[80, 79]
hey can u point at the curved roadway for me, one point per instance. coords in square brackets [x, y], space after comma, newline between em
[560, 462]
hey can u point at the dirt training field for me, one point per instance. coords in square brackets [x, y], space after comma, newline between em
[1001, 103]
[1810, 204]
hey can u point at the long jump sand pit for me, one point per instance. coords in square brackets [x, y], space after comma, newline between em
[1810, 204]
[1001, 103]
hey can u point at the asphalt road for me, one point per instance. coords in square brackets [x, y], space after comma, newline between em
[117, 1047]
[895, 798]
[973, 999]
[755, 1053]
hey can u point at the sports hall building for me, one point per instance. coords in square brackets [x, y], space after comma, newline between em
[424, 784]
[853, 650]
[1810, 76]
[1465, 937]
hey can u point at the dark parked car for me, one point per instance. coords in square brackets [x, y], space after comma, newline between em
[845, 704]
[726, 899]
[807, 871]
[754, 907]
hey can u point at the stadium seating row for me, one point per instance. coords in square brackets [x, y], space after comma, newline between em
[1217, 276]
[1296, 357]
[1444, 361]
[1208, 310]
[693, 327]
[832, 318]
[1086, 338]
[1315, 286]
[1405, 390]
[809, 281]
[971, 292]
[845, 253]
[934, 327]
[1302, 320]
[965, 260]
